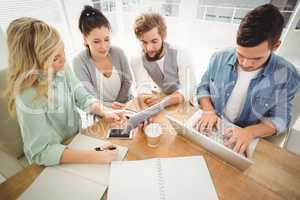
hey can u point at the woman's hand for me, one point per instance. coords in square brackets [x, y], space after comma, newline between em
[106, 156]
[117, 105]
[113, 117]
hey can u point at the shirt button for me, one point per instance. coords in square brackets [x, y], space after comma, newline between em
[227, 94]
[266, 105]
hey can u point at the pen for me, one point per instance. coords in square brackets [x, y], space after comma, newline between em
[109, 148]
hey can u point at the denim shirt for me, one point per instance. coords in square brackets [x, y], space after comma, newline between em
[46, 121]
[269, 96]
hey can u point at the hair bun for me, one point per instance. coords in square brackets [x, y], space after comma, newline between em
[90, 11]
[88, 8]
[91, 18]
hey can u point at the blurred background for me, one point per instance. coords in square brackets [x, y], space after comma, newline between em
[201, 26]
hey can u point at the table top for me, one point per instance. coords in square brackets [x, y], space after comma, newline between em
[275, 173]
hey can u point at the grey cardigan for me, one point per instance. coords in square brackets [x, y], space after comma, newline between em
[85, 70]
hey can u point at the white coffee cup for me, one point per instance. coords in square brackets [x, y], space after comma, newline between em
[153, 132]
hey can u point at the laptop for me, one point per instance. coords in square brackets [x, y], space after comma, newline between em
[215, 142]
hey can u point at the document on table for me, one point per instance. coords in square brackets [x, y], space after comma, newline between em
[161, 179]
[73, 181]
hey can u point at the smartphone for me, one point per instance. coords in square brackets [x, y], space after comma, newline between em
[116, 133]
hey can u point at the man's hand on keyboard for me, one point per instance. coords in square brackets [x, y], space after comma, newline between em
[208, 121]
[239, 137]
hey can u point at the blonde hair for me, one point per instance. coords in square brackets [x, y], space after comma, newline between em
[32, 45]
[148, 21]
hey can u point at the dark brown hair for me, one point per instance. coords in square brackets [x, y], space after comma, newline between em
[263, 23]
[91, 18]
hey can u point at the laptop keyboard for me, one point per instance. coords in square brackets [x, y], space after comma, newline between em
[217, 136]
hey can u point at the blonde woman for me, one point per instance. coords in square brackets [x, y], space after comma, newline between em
[44, 93]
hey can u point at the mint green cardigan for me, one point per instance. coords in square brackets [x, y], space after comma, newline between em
[46, 122]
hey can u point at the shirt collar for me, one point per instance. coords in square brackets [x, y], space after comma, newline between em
[58, 77]
[268, 69]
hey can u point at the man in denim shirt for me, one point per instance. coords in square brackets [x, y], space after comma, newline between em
[249, 84]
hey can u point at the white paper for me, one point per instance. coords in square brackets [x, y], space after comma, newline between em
[73, 181]
[165, 178]
[56, 184]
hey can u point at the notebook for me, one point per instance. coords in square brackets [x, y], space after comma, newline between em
[57, 184]
[73, 181]
[173, 178]
[95, 172]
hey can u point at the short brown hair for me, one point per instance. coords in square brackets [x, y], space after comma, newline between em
[264, 23]
[147, 22]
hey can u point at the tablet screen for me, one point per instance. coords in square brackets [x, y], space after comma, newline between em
[117, 133]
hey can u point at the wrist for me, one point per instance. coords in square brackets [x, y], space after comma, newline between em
[209, 112]
[89, 156]
[97, 109]
[250, 132]
[97, 156]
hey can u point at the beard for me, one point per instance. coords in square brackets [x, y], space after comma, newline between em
[157, 56]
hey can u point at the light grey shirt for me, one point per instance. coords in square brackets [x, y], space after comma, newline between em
[85, 70]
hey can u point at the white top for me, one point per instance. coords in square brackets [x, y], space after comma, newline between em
[145, 84]
[237, 99]
[109, 86]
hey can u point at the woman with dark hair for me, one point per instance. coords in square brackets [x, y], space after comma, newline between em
[102, 68]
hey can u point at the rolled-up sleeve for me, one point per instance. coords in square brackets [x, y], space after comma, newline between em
[42, 145]
[279, 123]
[280, 115]
[203, 87]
